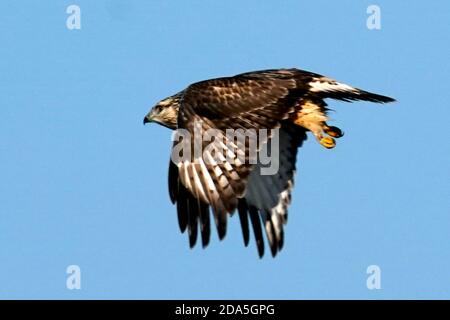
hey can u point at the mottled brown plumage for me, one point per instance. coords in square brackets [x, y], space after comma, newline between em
[290, 100]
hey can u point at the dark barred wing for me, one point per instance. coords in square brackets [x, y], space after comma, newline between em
[268, 196]
[219, 179]
[264, 206]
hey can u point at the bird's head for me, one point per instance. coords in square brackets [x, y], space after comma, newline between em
[165, 112]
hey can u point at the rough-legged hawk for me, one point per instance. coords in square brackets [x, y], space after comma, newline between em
[226, 178]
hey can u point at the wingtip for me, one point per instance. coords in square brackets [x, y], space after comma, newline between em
[222, 232]
[260, 249]
[192, 238]
[378, 98]
[385, 99]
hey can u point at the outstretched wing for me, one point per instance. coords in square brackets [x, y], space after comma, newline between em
[313, 85]
[268, 196]
[264, 205]
[242, 103]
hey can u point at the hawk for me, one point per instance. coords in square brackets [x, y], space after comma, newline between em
[290, 101]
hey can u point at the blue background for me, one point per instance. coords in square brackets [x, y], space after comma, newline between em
[83, 182]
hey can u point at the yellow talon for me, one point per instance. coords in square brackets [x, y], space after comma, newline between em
[328, 142]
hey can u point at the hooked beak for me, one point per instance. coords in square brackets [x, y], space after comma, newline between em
[147, 119]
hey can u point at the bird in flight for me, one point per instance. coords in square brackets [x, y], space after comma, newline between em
[288, 103]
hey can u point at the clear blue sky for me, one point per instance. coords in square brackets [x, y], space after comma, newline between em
[83, 182]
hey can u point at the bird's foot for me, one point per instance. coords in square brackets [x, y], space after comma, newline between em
[327, 142]
[331, 132]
